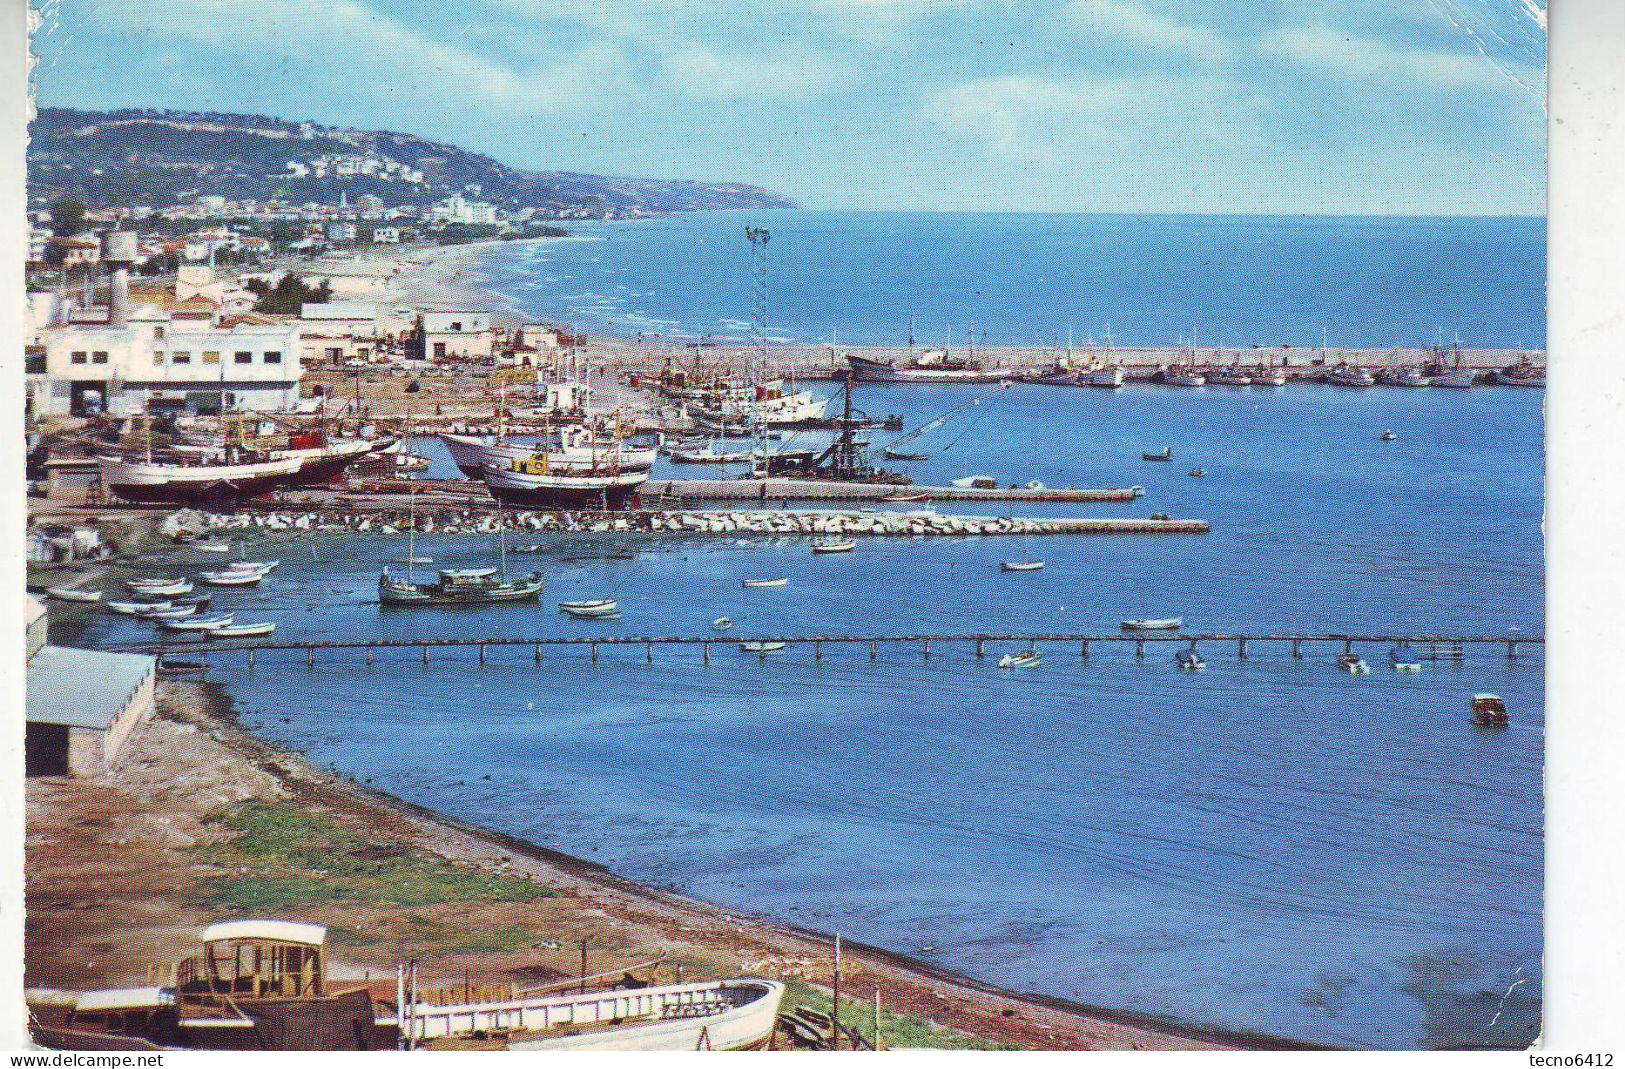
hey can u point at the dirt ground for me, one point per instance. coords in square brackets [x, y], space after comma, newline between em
[201, 822]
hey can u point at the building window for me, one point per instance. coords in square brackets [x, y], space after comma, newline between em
[273, 357]
[98, 358]
[243, 358]
[78, 358]
[335, 352]
[34, 364]
[457, 325]
[211, 358]
[158, 357]
[181, 358]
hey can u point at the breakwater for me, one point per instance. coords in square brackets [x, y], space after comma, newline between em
[457, 521]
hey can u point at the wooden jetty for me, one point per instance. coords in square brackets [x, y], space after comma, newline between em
[669, 490]
[1431, 646]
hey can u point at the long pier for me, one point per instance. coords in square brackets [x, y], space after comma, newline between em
[1430, 646]
[759, 490]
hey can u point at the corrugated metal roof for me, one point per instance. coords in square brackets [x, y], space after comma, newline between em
[82, 688]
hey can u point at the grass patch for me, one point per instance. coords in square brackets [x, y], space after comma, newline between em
[286, 856]
[896, 1030]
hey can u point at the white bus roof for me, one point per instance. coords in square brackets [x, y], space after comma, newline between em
[280, 931]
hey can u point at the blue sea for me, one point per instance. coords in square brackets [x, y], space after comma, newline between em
[1024, 280]
[1270, 846]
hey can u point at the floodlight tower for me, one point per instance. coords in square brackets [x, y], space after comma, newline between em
[758, 237]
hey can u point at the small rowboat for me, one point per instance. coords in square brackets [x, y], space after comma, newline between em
[601, 609]
[1198, 473]
[1389, 436]
[68, 593]
[171, 612]
[1026, 659]
[212, 547]
[1353, 664]
[1189, 660]
[244, 630]
[762, 647]
[136, 608]
[1166, 623]
[171, 668]
[906, 499]
[211, 624]
[1167, 454]
[834, 547]
[722, 623]
[233, 578]
[1404, 659]
[1021, 565]
[160, 587]
[254, 565]
[1489, 711]
[757, 584]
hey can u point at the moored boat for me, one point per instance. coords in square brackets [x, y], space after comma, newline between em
[1490, 711]
[244, 630]
[930, 366]
[190, 624]
[1166, 455]
[1021, 565]
[1022, 659]
[1404, 659]
[69, 593]
[459, 586]
[1106, 378]
[839, 546]
[595, 609]
[1457, 379]
[757, 584]
[1189, 660]
[234, 577]
[1162, 623]
[722, 623]
[1353, 664]
[1350, 375]
[762, 647]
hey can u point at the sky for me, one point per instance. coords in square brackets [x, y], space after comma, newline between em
[1406, 107]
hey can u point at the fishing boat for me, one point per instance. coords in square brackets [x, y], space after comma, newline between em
[1166, 455]
[1270, 377]
[1230, 376]
[322, 457]
[245, 630]
[1106, 378]
[722, 623]
[930, 366]
[1189, 660]
[1490, 711]
[975, 482]
[226, 482]
[762, 647]
[459, 586]
[846, 546]
[1350, 375]
[191, 624]
[596, 608]
[1353, 664]
[1410, 377]
[1404, 659]
[1524, 373]
[707, 455]
[1183, 376]
[758, 584]
[68, 593]
[1024, 659]
[1163, 623]
[533, 481]
[575, 450]
[234, 577]
[1021, 565]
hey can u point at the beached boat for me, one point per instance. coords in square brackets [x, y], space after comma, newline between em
[135, 608]
[762, 647]
[532, 482]
[160, 587]
[1162, 623]
[1021, 565]
[245, 630]
[225, 483]
[234, 577]
[69, 593]
[597, 607]
[1353, 664]
[191, 624]
[459, 586]
[758, 584]
[1024, 659]
[1490, 711]
[845, 546]
[170, 612]
[1189, 660]
[1404, 659]
[1166, 455]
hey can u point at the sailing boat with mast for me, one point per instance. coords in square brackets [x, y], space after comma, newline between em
[458, 586]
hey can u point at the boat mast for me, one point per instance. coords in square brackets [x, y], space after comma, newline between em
[411, 532]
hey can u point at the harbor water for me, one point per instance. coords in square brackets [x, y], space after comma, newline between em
[1030, 280]
[1268, 846]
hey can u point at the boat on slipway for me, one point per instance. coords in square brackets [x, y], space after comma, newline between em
[534, 482]
[232, 479]
[574, 450]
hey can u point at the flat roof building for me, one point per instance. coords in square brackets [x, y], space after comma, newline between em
[82, 704]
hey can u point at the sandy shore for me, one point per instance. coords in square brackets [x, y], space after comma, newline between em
[202, 821]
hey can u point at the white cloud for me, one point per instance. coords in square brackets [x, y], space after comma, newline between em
[1343, 55]
[1140, 27]
[701, 72]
